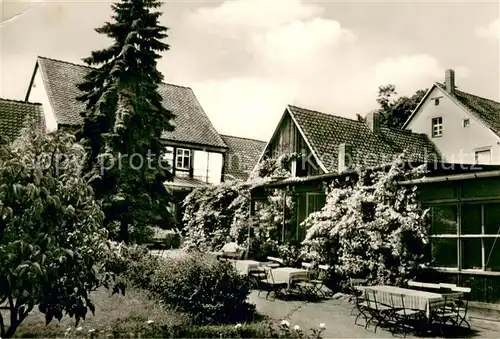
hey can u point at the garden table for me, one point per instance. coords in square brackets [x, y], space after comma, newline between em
[289, 274]
[246, 266]
[413, 299]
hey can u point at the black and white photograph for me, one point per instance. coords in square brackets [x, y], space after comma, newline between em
[306, 169]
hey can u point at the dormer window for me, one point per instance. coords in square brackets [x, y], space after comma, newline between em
[437, 127]
[183, 159]
[465, 122]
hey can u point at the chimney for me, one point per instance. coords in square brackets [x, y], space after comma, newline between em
[450, 81]
[373, 121]
[344, 157]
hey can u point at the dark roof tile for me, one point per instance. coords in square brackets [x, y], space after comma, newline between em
[325, 132]
[486, 110]
[241, 157]
[16, 115]
[192, 125]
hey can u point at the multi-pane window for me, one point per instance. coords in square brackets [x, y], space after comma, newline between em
[183, 159]
[466, 236]
[437, 127]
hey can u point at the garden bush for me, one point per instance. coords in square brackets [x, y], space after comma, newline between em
[210, 291]
[140, 265]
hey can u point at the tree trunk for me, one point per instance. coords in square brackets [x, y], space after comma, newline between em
[124, 236]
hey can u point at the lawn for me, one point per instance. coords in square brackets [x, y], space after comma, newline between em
[112, 311]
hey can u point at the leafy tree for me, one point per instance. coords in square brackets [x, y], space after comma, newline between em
[125, 118]
[53, 248]
[396, 110]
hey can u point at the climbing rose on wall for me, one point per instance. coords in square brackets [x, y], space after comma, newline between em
[370, 227]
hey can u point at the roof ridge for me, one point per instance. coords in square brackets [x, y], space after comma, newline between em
[234, 136]
[65, 62]
[22, 102]
[330, 115]
[91, 67]
[468, 93]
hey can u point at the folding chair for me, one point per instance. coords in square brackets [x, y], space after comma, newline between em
[360, 305]
[445, 312]
[271, 286]
[377, 311]
[461, 304]
[355, 292]
[306, 287]
[319, 280]
[403, 317]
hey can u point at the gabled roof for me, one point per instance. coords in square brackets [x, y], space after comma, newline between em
[486, 110]
[191, 123]
[241, 156]
[325, 132]
[16, 115]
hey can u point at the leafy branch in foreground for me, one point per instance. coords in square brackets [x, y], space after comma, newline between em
[53, 248]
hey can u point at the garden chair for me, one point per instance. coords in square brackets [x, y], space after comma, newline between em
[378, 312]
[403, 318]
[319, 280]
[268, 284]
[256, 276]
[360, 305]
[445, 312]
[356, 295]
[461, 305]
[306, 287]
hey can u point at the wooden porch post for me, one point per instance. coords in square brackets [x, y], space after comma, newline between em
[284, 214]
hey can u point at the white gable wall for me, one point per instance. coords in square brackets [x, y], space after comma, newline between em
[458, 144]
[39, 94]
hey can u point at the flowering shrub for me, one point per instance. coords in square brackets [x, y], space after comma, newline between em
[370, 227]
[212, 213]
[291, 253]
[209, 213]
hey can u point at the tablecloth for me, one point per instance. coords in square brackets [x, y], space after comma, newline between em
[289, 275]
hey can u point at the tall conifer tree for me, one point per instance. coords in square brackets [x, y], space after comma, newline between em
[125, 118]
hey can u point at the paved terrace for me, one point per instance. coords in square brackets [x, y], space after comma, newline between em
[335, 314]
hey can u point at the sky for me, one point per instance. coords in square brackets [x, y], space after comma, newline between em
[247, 59]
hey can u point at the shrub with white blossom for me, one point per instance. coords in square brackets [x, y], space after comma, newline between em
[370, 227]
[212, 213]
